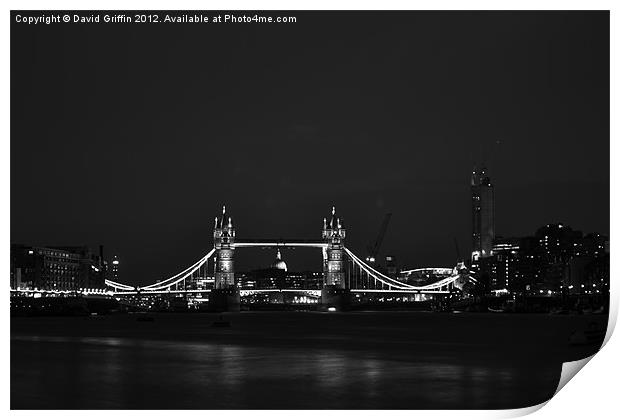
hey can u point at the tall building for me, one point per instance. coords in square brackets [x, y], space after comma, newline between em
[557, 245]
[511, 266]
[483, 215]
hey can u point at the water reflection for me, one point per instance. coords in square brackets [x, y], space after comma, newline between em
[109, 372]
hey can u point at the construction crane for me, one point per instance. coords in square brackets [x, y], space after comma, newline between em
[373, 249]
[458, 253]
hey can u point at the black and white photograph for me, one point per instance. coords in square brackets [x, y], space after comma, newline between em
[306, 209]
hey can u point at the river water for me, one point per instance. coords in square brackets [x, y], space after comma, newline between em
[292, 360]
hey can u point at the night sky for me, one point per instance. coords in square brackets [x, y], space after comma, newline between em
[133, 136]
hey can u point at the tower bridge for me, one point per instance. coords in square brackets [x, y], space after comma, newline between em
[343, 271]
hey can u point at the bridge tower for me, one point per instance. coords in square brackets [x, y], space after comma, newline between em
[224, 244]
[333, 235]
[335, 293]
[225, 296]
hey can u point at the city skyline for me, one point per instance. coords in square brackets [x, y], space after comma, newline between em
[526, 258]
[142, 173]
[263, 257]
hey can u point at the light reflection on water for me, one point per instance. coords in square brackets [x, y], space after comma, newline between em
[108, 372]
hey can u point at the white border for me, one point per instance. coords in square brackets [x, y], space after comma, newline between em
[590, 396]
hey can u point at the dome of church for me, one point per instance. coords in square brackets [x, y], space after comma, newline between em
[279, 264]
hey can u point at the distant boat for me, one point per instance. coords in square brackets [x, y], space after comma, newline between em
[558, 311]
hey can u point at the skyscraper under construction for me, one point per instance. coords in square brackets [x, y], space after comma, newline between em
[483, 214]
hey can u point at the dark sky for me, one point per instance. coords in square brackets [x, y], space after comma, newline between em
[133, 136]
